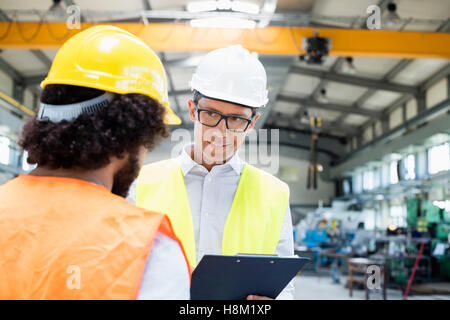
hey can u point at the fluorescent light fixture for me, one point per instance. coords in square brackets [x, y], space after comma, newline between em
[201, 6]
[246, 7]
[223, 22]
[223, 4]
[239, 6]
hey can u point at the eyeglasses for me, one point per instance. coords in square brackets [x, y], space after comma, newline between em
[212, 118]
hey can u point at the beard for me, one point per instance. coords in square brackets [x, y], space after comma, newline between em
[126, 175]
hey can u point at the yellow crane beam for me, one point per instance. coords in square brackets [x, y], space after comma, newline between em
[269, 40]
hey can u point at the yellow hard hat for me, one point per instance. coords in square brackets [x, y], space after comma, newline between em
[111, 59]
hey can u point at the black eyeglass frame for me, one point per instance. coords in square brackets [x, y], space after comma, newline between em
[223, 116]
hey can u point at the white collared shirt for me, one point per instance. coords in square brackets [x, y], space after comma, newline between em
[210, 195]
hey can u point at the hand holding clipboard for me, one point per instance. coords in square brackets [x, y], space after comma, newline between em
[219, 277]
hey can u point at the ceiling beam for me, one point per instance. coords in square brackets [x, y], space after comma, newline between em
[268, 7]
[309, 102]
[171, 82]
[283, 40]
[386, 143]
[370, 92]
[399, 67]
[42, 57]
[354, 80]
[277, 69]
[441, 74]
[327, 126]
[146, 5]
[10, 71]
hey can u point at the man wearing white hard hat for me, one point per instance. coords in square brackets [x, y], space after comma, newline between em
[219, 204]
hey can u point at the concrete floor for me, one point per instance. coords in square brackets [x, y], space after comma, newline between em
[310, 287]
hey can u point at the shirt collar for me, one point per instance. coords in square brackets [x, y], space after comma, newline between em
[187, 164]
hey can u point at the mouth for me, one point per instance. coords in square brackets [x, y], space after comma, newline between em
[221, 146]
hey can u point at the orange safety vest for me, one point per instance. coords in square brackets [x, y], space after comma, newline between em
[64, 238]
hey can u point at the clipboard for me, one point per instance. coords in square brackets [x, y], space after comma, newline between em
[219, 277]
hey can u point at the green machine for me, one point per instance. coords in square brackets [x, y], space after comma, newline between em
[423, 216]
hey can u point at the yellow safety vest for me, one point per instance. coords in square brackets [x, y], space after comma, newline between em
[253, 224]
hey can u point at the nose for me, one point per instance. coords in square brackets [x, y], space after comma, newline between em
[222, 126]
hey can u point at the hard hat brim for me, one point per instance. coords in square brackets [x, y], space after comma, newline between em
[170, 118]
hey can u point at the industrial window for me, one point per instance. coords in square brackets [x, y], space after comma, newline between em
[385, 175]
[398, 215]
[393, 174]
[368, 180]
[369, 219]
[346, 186]
[421, 164]
[4, 150]
[357, 178]
[376, 178]
[438, 158]
[410, 167]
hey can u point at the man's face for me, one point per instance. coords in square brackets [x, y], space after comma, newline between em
[125, 176]
[217, 143]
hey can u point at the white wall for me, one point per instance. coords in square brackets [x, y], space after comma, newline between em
[436, 93]
[299, 193]
[6, 84]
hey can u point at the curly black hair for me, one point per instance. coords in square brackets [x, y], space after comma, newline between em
[127, 123]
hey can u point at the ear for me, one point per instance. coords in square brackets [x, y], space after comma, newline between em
[252, 124]
[191, 110]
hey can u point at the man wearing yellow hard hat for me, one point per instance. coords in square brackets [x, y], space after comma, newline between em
[67, 231]
[218, 203]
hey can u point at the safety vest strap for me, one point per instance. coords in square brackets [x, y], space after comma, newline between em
[255, 219]
[256, 215]
[161, 188]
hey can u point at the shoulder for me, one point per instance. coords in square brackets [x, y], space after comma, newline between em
[123, 207]
[167, 163]
[268, 178]
[157, 171]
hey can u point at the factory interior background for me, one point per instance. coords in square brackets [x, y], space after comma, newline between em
[372, 126]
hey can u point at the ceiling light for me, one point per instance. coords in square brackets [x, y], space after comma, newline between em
[238, 6]
[246, 7]
[223, 22]
[322, 97]
[348, 67]
[392, 227]
[201, 6]
[391, 18]
[223, 4]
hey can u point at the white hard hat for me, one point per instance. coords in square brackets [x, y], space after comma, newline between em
[232, 74]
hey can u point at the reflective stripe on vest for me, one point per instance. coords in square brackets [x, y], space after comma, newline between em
[64, 238]
[253, 224]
